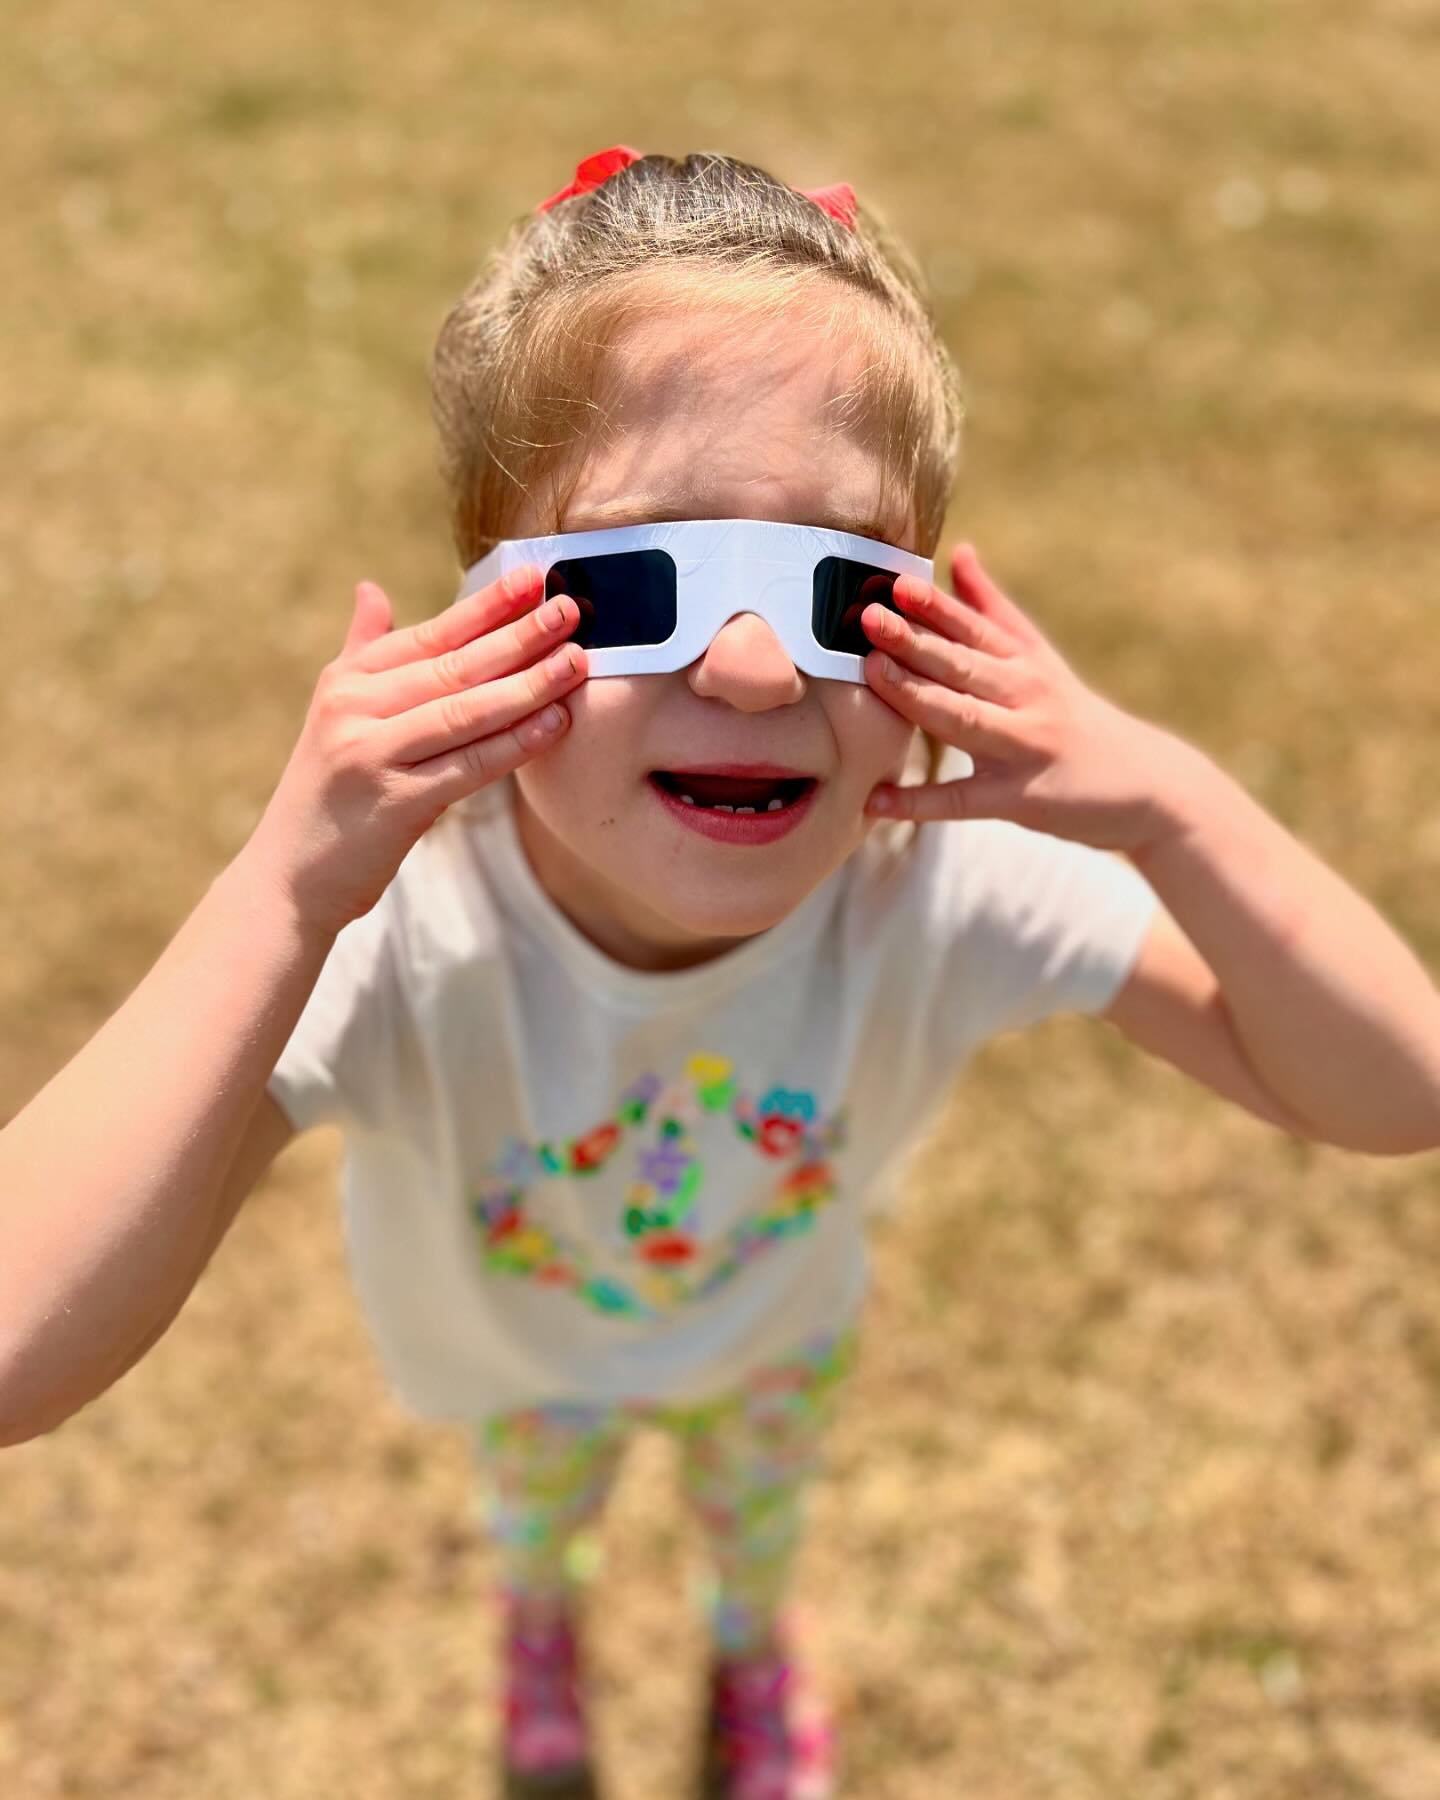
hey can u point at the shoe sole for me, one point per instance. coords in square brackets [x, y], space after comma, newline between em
[714, 1781]
[811, 1714]
[712, 1784]
[571, 1784]
[561, 1784]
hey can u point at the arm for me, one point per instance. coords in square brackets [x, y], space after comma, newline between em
[122, 1174]
[1171, 1006]
[1320, 1003]
[1273, 982]
[116, 1179]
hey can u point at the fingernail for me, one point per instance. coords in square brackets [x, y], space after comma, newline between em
[551, 614]
[881, 803]
[549, 720]
[520, 581]
[888, 669]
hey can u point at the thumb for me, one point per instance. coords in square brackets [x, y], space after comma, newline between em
[371, 618]
[993, 795]
[978, 796]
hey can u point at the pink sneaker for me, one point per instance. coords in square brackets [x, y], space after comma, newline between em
[768, 1736]
[547, 1743]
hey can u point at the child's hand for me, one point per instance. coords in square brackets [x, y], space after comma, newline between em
[1049, 752]
[404, 723]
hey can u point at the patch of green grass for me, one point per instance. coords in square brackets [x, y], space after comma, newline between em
[1164, 1744]
[247, 106]
[372, 1567]
[1332, 1438]
[1252, 1644]
[1027, 109]
[269, 1687]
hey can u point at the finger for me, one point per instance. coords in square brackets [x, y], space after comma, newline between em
[944, 613]
[471, 615]
[958, 719]
[446, 778]
[974, 797]
[485, 658]
[974, 585]
[928, 653]
[371, 617]
[455, 719]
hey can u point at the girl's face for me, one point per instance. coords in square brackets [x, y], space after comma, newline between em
[711, 420]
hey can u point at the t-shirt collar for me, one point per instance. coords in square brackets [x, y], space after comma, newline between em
[533, 909]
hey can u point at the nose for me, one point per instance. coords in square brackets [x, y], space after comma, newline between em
[746, 665]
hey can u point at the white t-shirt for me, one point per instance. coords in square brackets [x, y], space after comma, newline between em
[569, 1179]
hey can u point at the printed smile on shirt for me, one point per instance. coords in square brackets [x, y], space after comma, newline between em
[627, 822]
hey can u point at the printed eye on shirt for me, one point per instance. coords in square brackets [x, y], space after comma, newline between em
[650, 1156]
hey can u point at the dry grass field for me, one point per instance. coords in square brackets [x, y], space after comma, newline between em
[1137, 1494]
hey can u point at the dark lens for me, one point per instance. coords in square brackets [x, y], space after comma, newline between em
[843, 590]
[624, 599]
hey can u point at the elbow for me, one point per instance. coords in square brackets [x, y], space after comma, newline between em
[32, 1407]
[1402, 1138]
[1413, 1129]
[20, 1428]
[11, 1434]
[1419, 1143]
[1403, 1122]
[13, 1426]
[22, 1418]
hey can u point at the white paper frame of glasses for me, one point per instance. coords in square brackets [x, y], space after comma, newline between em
[723, 567]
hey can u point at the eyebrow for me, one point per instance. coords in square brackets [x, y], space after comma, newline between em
[643, 512]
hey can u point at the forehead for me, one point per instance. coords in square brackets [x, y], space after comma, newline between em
[715, 413]
[801, 359]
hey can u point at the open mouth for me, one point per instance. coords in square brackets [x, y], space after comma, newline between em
[734, 793]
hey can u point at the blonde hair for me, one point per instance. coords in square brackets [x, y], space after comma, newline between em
[518, 366]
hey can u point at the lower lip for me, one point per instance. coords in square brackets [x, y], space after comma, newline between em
[736, 828]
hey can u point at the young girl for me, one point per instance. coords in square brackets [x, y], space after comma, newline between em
[598, 912]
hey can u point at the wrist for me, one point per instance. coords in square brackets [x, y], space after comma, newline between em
[252, 883]
[1183, 784]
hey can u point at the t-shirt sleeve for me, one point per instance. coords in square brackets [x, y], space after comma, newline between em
[349, 1057]
[1043, 926]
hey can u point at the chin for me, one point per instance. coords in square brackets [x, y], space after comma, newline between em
[707, 907]
[696, 892]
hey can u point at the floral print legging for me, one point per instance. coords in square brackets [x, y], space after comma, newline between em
[746, 1460]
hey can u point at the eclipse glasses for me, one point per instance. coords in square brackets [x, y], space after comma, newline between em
[651, 597]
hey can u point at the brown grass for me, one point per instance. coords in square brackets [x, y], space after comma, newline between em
[1134, 1496]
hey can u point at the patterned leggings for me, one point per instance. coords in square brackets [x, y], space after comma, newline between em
[746, 1460]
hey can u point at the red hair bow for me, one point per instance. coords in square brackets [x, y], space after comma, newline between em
[838, 200]
[593, 171]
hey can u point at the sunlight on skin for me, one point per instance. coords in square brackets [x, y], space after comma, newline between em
[736, 433]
